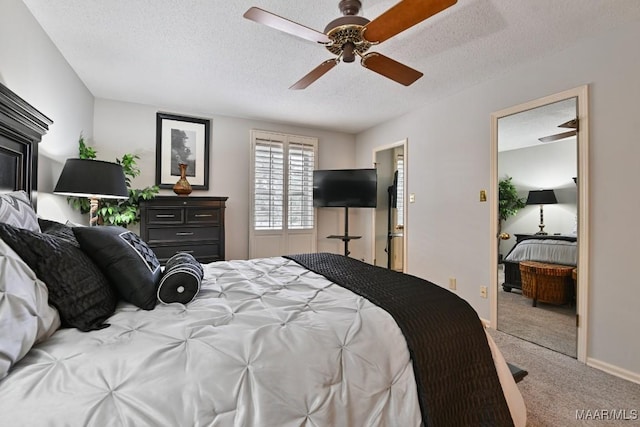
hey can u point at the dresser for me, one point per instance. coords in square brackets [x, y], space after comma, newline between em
[171, 224]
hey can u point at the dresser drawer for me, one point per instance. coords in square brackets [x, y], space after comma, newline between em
[206, 252]
[203, 215]
[165, 216]
[177, 234]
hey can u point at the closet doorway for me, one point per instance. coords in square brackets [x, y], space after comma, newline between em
[390, 216]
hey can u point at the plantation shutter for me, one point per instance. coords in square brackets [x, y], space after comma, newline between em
[301, 156]
[268, 184]
[282, 213]
[400, 190]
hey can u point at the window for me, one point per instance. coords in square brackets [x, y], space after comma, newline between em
[301, 157]
[283, 181]
[268, 184]
[400, 191]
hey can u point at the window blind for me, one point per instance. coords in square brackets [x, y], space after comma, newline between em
[300, 185]
[268, 184]
[283, 181]
[400, 191]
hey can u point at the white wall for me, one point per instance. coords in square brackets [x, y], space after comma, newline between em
[121, 128]
[449, 164]
[33, 68]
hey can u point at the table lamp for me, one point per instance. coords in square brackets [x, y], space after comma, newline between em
[541, 197]
[93, 179]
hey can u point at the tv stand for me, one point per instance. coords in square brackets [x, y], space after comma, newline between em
[345, 237]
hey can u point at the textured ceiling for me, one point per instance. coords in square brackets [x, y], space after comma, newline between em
[523, 129]
[202, 56]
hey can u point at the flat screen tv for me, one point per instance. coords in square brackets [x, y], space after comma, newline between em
[348, 188]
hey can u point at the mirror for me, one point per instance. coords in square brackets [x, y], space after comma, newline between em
[539, 154]
[390, 214]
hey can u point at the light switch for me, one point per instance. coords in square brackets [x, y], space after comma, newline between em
[483, 195]
[412, 198]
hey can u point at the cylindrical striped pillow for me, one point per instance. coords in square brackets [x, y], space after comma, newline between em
[181, 279]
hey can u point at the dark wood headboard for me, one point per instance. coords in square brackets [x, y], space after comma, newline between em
[21, 129]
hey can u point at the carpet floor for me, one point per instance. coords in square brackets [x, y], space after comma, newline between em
[558, 388]
[549, 325]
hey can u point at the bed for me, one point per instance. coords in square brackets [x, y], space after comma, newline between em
[552, 249]
[305, 340]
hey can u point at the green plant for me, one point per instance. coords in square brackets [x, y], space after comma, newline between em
[508, 201]
[113, 211]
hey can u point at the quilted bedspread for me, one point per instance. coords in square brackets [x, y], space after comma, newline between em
[265, 343]
[455, 373]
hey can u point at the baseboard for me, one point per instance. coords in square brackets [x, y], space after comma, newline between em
[614, 370]
[485, 322]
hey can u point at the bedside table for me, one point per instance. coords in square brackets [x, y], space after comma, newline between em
[171, 224]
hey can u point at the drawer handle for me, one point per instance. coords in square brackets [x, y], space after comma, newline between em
[185, 251]
[165, 216]
[184, 233]
[203, 215]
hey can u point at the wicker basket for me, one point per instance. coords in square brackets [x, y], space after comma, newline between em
[551, 283]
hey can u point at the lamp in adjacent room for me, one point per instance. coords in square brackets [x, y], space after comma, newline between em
[541, 197]
[93, 179]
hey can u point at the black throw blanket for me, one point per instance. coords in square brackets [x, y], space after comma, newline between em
[455, 374]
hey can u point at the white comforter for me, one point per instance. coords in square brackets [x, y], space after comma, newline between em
[545, 250]
[265, 343]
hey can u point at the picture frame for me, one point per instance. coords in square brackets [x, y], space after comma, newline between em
[182, 139]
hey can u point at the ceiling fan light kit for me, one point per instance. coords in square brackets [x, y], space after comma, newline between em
[351, 35]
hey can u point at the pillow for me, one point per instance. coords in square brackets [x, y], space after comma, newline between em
[59, 230]
[130, 265]
[77, 287]
[181, 279]
[25, 316]
[16, 210]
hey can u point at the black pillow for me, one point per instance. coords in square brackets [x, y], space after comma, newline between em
[77, 287]
[130, 265]
[57, 229]
[181, 279]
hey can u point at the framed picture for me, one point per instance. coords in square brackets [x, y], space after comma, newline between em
[181, 139]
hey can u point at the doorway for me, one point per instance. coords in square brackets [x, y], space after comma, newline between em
[390, 216]
[542, 145]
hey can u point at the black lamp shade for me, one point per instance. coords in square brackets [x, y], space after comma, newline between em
[92, 179]
[541, 197]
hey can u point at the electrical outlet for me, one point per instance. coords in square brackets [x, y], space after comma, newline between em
[452, 283]
[483, 291]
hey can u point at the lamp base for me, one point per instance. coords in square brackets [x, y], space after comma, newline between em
[541, 232]
[93, 212]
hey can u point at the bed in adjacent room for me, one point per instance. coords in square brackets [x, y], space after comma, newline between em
[552, 249]
[313, 339]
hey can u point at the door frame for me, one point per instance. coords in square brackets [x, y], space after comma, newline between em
[581, 93]
[404, 143]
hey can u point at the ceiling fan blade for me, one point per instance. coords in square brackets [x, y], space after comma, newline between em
[558, 136]
[315, 74]
[279, 23]
[403, 15]
[389, 68]
[571, 124]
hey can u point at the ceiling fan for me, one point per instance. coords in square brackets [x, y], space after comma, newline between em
[571, 124]
[351, 35]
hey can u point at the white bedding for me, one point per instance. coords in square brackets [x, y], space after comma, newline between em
[545, 250]
[265, 343]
